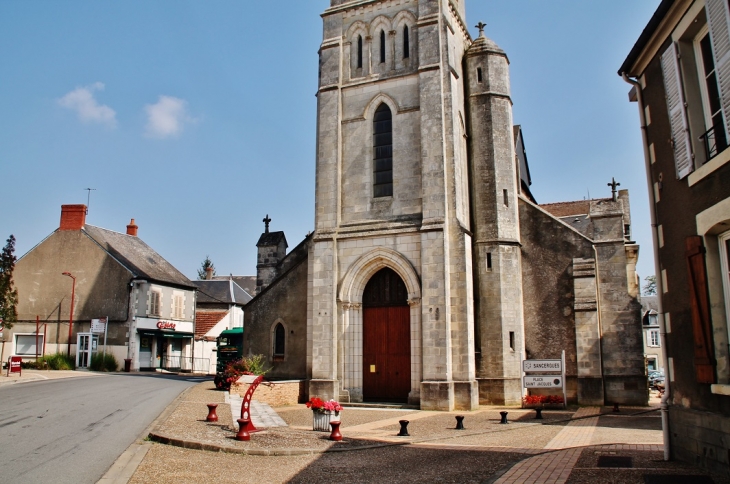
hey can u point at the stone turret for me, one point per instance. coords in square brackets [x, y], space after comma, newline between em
[495, 223]
[271, 250]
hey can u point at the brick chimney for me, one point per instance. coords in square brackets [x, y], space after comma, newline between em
[73, 217]
[132, 228]
[208, 273]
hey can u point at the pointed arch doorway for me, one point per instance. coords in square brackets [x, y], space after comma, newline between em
[386, 339]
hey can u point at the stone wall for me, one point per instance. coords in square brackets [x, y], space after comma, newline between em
[277, 394]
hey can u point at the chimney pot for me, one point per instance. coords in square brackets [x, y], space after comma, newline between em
[208, 273]
[73, 217]
[132, 229]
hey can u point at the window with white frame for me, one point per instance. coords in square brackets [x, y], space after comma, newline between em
[652, 337]
[696, 71]
[155, 303]
[178, 309]
[25, 344]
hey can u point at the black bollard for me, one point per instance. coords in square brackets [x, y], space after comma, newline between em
[403, 428]
[615, 408]
[538, 414]
[504, 417]
[459, 422]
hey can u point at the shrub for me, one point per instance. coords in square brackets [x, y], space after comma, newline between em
[103, 362]
[57, 361]
[250, 365]
[542, 399]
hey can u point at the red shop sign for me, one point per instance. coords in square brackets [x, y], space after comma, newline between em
[166, 325]
[14, 366]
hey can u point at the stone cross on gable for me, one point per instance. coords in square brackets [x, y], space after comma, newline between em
[267, 220]
[613, 186]
[481, 26]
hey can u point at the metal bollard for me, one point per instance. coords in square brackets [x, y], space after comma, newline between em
[403, 428]
[538, 414]
[504, 417]
[459, 422]
[335, 435]
[615, 408]
[242, 432]
[212, 416]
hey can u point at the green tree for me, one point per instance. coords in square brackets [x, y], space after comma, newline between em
[650, 286]
[203, 271]
[8, 295]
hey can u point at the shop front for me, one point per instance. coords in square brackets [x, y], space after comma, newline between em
[165, 345]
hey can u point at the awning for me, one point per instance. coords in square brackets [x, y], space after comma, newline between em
[164, 334]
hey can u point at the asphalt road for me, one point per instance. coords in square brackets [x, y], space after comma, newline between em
[72, 430]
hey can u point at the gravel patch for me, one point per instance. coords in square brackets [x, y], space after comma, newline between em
[529, 437]
[166, 464]
[205, 392]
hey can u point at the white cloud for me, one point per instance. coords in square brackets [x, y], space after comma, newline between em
[87, 108]
[166, 117]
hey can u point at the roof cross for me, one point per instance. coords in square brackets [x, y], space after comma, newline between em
[613, 186]
[266, 221]
[481, 26]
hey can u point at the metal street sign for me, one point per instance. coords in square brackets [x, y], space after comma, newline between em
[546, 381]
[98, 325]
[542, 365]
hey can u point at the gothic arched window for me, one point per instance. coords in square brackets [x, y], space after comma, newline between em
[279, 340]
[383, 152]
[406, 43]
[359, 51]
[382, 46]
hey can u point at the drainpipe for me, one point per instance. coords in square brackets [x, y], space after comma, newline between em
[657, 265]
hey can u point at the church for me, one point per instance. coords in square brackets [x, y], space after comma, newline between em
[432, 273]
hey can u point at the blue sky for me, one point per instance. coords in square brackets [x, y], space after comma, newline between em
[198, 118]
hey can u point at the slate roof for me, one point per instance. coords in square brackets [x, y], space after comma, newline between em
[221, 291]
[206, 320]
[271, 238]
[247, 283]
[137, 257]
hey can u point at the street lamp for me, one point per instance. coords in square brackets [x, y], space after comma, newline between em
[71, 314]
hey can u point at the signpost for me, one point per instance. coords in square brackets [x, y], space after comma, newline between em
[100, 326]
[551, 374]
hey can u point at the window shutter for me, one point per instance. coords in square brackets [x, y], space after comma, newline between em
[700, 307]
[677, 112]
[718, 18]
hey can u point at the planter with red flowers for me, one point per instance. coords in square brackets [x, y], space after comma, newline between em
[323, 413]
[543, 401]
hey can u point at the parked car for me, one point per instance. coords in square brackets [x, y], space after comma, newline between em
[654, 376]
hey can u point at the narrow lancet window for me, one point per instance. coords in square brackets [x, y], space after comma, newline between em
[406, 43]
[359, 51]
[382, 46]
[383, 152]
[279, 340]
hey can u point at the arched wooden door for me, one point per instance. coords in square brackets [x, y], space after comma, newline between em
[386, 339]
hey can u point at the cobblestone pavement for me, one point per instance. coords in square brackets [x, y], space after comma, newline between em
[571, 447]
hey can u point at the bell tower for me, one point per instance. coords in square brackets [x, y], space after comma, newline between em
[392, 192]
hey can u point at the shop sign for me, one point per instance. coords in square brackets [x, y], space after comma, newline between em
[166, 325]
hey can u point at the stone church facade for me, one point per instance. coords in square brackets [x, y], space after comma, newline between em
[432, 273]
